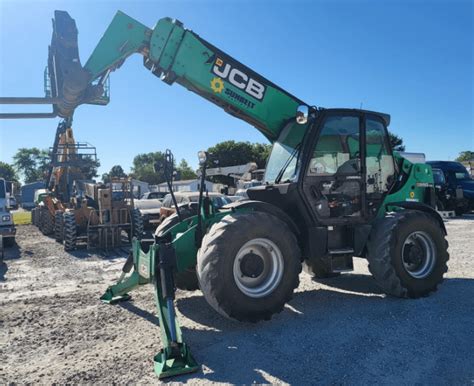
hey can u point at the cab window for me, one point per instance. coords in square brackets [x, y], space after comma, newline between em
[379, 162]
[337, 148]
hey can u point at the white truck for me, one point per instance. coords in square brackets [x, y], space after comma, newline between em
[7, 228]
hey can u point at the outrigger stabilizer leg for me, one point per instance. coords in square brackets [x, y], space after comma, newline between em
[118, 292]
[174, 358]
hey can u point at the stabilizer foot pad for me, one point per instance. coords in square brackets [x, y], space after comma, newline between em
[109, 298]
[179, 365]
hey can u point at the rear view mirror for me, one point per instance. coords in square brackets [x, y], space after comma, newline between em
[302, 113]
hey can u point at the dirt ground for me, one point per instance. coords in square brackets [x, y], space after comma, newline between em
[54, 329]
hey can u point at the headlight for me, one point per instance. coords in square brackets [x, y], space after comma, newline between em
[202, 157]
[5, 218]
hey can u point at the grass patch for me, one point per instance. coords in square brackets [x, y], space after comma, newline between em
[22, 218]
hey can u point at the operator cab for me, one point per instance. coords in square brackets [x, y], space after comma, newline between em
[332, 171]
[340, 162]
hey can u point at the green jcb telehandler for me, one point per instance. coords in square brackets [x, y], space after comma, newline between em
[333, 189]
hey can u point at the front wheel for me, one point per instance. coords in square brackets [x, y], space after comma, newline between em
[248, 266]
[58, 226]
[408, 253]
[69, 231]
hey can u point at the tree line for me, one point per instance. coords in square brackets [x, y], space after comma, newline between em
[31, 164]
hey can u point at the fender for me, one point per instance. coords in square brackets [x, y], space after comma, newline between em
[261, 206]
[422, 207]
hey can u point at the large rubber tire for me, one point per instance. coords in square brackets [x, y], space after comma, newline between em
[33, 216]
[8, 242]
[216, 262]
[70, 231]
[58, 226]
[385, 253]
[137, 224]
[39, 218]
[186, 280]
[47, 222]
[172, 220]
[319, 269]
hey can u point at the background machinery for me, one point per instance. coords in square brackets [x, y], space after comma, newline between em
[74, 209]
[333, 188]
[7, 227]
[70, 161]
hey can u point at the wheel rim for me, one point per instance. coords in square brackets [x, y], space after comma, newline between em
[258, 267]
[418, 254]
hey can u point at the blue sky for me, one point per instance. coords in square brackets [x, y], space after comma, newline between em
[411, 59]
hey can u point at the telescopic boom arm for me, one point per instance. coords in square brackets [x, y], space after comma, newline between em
[174, 54]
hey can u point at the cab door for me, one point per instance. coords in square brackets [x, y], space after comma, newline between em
[333, 181]
[350, 168]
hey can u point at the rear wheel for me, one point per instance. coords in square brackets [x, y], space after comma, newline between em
[58, 226]
[33, 216]
[248, 266]
[407, 253]
[47, 222]
[137, 224]
[70, 231]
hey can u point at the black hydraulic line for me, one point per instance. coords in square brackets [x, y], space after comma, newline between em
[202, 185]
[169, 165]
[167, 264]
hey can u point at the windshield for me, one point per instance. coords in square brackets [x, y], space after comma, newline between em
[438, 176]
[462, 175]
[2, 189]
[285, 154]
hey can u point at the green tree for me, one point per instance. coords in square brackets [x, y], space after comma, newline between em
[115, 172]
[89, 167]
[230, 153]
[143, 167]
[7, 172]
[396, 142]
[31, 163]
[467, 155]
[185, 172]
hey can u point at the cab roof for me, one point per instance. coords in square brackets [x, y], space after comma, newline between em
[385, 117]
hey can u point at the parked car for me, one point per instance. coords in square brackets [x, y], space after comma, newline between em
[149, 206]
[189, 201]
[459, 186]
[235, 198]
[154, 195]
[447, 199]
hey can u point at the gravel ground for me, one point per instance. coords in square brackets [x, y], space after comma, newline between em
[54, 329]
